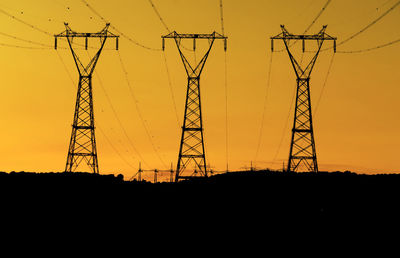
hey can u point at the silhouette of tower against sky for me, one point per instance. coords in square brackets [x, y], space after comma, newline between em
[191, 150]
[82, 145]
[302, 154]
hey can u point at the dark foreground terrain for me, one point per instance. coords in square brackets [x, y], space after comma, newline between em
[240, 205]
[261, 193]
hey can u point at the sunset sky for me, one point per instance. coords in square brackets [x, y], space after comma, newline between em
[356, 121]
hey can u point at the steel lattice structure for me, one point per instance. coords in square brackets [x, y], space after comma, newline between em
[191, 148]
[82, 145]
[302, 152]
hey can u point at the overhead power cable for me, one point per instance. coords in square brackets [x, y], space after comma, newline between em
[22, 47]
[363, 30]
[159, 16]
[26, 23]
[171, 90]
[114, 148]
[316, 18]
[26, 40]
[65, 68]
[226, 113]
[265, 107]
[118, 119]
[370, 24]
[45, 46]
[369, 49]
[309, 26]
[221, 8]
[147, 130]
[286, 125]
[323, 86]
[114, 28]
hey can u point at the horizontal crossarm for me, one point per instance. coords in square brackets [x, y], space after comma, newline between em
[177, 36]
[319, 36]
[70, 33]
[214, 35]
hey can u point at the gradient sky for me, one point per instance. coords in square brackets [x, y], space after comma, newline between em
[356, 123]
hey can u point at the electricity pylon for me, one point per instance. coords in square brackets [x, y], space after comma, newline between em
[82, 145]
[302, 152]
[192, 144]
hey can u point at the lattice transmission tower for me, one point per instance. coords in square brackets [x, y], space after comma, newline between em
[82, 145]
[191, 148]
[302, 154]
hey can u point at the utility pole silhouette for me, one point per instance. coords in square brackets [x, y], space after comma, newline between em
[82, 145]
[302, 152]
[191, 148]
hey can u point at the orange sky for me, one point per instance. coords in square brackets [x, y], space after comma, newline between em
[355, 125]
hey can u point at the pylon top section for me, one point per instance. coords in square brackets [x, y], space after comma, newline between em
[320, 37]
[69, 34]
[178, 37]
[285, 35]
[195, 70]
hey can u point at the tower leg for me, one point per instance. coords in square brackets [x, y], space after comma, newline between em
[302, 155]
[191, 148]
[82, 145]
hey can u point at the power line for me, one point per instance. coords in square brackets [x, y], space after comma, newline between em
[226, 114]
[363, 30]
[222, 17]
[114, 148]
[23, 47]
[221, 8]
[25, 40]
[170, 89]
[309, 26]
[26, 23]
[316, 18]
[286, 125]
[369, 49]
[159, 16]
[65, 68]
[140, 112]
[121, 33]
[323, 86]
[29, 41]
[265, 105]
[369, 25]
[164, 24]
[119, 120]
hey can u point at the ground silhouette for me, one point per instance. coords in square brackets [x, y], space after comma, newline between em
[239, 206]
[261, 193]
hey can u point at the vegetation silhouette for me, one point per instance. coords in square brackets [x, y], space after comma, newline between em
[256, 194]
[252, 206]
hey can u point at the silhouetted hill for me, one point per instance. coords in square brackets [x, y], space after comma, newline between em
[261, 193]
[251, 203]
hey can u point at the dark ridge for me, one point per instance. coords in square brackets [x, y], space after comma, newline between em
[255, 197]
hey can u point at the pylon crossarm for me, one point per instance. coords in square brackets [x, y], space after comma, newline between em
[214, 35]
[179, 36]
[73, 34]
[321, 35]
